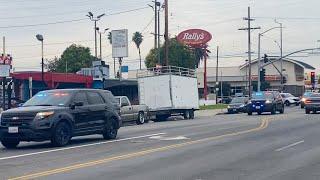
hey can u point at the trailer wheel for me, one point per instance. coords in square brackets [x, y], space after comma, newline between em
[192, 114]
[186, 114]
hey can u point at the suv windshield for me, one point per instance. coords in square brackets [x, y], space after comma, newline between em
[238, 100]
[315, 95]
[262, 95]
[53, 98]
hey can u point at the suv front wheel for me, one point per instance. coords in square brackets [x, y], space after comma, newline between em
[10, 144]
[61, 134]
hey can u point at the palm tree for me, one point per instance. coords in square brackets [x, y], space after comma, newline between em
[137, 39]
[200, 53]
[114, 59]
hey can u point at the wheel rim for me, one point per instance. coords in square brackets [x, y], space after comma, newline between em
[141, 118]
[63, 135]
[112, 130]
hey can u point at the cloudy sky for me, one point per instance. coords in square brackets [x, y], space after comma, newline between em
[63, 22]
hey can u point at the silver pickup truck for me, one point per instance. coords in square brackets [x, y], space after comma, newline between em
[128, 112]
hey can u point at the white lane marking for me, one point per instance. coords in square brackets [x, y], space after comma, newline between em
[169, 138]
[289, 146]
[76, 147]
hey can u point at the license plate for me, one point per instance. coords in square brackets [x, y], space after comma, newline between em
[13, 129]
[234, 110]
[257, 107]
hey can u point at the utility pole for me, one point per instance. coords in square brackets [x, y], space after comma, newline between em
[281, 53]
[155, 24]
[221, 88]
[166, 52]
[4, 78]
[249, 47]
[217, 74]
[159, 34]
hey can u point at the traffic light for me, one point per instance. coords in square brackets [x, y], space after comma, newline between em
[313, 77]
[265, 58]
[284, 80]
[263, 75]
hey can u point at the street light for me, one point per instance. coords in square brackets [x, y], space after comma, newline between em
[259, 54]
[100, 33]
[281, 51]
[95, 19]
[40, 38]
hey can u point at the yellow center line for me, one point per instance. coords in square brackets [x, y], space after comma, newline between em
[264, 124]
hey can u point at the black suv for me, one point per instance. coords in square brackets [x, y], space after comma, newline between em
[265, 101]
[59, 115]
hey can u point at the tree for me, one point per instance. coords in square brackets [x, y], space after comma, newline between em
[137, 38]
[199, 54]
[179, 55]
[72, 60]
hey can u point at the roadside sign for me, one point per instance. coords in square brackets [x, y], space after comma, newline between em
[120, 43]
[4, 70]
[194, 37]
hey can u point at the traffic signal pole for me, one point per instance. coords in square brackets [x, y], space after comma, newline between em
[259, 61]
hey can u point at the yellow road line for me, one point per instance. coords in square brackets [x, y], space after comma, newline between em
[264, 124]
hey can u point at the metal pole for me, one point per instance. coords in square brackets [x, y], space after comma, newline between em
[114, 67]
[95, 38]
[217, 74]
[281, 54]
[205, 88]
[120, 72]
[249, 51]
[159, 36]
[259, 61]
[221, 87]
[42, 63]
[166, 33]
[4, 78]
[155, 24]
[100, 47]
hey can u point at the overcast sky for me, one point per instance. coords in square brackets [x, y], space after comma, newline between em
[20, 19]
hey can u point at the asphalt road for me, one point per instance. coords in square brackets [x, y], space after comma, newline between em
[222, 147]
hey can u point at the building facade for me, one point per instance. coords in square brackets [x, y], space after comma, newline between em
[237, 76]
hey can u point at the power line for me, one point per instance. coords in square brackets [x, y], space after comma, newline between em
[67, 21]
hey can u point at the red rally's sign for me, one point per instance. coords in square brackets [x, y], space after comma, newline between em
[194, 37]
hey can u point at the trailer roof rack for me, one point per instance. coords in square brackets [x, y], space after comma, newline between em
[166, 70]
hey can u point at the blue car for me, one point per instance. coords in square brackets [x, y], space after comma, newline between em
[265, 101]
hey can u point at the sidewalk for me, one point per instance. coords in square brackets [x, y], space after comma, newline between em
[208, 113]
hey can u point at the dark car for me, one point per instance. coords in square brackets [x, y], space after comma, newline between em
[238, 104]
[59, 115]
[304, 97]
[312, 103]
[265, 101]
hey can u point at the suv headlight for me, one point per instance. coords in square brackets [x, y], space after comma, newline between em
[242, 105]
[43, 115]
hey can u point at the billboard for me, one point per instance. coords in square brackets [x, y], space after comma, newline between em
[194, 37]
[120, 43]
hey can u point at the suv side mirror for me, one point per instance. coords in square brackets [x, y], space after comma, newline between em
[20, 105]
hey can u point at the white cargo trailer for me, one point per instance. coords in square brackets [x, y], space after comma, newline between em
[169, 91]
